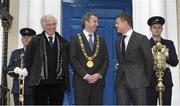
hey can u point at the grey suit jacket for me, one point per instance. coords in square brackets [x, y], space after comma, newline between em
[138, 62]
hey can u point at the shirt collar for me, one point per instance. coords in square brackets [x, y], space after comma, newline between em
[129, 33]
[86, 33]
[156, 38]
[50, 36]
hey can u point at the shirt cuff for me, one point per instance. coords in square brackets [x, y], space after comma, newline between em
[100, 76]
[85, 76]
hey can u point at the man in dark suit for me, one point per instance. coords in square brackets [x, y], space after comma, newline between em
[14, 62]
[89, 59]
[135, 63]
[47, 63]
[156, 27]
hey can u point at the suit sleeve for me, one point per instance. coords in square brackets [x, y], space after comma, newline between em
[105, 59]
[117, 45]
[12, 66]
[147, 54]
[66, 68]
[74, 58]
[30, 52]
[173, 59]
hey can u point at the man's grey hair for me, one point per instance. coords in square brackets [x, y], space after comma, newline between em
[45, 18]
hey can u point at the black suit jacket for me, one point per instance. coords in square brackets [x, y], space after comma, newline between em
[172, 61]
[34, 55]
[138, 62]
[78, 60]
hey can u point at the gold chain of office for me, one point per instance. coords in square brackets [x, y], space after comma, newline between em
[90, 59]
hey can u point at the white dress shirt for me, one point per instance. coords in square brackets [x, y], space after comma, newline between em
[50, 36]
[127, 38]
[87, 35]
[157, 38]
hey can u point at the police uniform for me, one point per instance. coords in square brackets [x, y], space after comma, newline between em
[172, 60]
[14, 62]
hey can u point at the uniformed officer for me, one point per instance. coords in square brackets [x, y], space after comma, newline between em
[156, 27]
[14, 62]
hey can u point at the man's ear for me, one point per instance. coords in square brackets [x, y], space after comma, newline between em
[123, 21]
[86, 22]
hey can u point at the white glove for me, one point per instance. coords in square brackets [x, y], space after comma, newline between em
[20, 71]
[23, 72]
[165, 51]
[17, 70]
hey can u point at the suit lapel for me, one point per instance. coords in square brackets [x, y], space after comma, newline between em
[22, 51]
[95, 42]
[58, 37]
[130, 43]
[86, 44]
[163, 41]
[152, 42]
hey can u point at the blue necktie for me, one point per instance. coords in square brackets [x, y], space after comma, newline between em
[51, 41]
[123, 46]
[90, 42]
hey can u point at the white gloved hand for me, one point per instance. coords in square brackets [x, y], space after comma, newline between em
[24, 72]
[17, 70]
[167, 52]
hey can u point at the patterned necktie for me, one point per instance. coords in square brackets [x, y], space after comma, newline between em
[51, 41]
[123, 46]
[90, 42]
